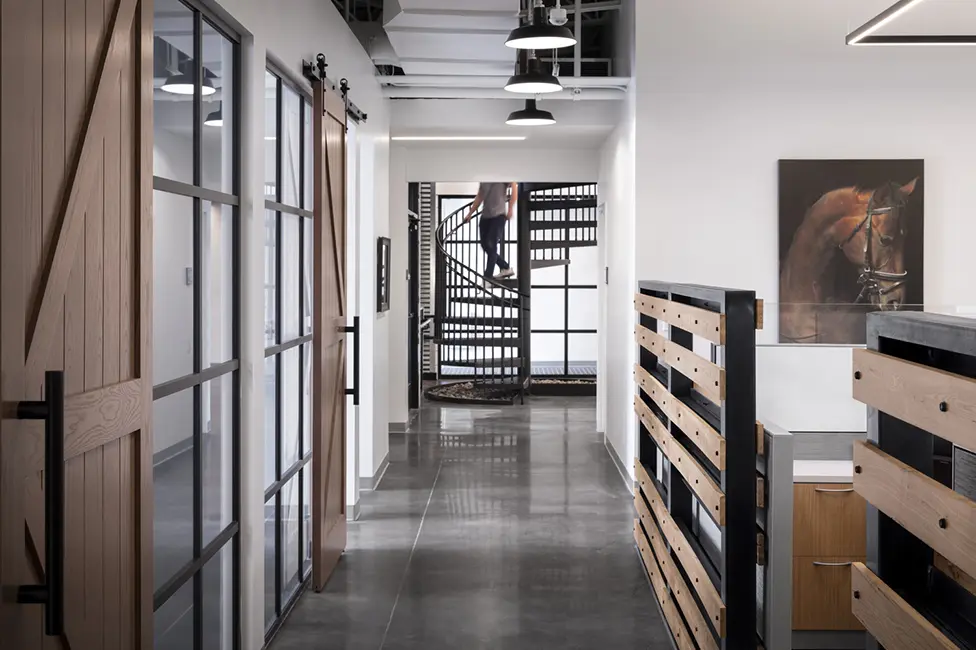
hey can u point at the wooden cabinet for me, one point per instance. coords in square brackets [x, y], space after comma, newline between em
[829, 534]
[829, 519]
[822, 593]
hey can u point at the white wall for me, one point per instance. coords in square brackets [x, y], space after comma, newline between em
[290, 34]
[725, 90]
[617, 189]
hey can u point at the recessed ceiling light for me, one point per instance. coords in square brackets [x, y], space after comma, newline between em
[880, 20]
[540, 35]
[182, 84]
[458, 138]
[533, 81]
[530, 116]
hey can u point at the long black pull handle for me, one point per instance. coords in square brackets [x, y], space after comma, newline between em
[51, 593]
[354, 330]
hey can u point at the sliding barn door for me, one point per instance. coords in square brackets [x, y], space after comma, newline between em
[329, 348]
[75, 282]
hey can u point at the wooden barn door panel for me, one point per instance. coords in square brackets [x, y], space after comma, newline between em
[329, 349]
[75, 279]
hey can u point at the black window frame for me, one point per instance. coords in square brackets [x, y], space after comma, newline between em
[302, 466]
[230, 535]
[567, 287]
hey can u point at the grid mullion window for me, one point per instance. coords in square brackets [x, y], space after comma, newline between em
[196, 342]
[288, 305]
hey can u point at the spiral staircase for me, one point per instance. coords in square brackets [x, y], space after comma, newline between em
[480, 321]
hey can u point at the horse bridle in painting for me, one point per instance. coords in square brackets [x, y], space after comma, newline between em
[874, 283]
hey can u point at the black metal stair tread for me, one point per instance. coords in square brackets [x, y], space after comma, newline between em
[563, 203]
[492, 321]
[545, 264]
[541, 244]
[501, 362]
[493, 301]
[561, 225]
[487, 342]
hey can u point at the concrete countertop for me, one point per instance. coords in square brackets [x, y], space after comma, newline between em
[823, 471]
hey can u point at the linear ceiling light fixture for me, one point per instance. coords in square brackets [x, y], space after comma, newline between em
[540, 34]
[532, 80]
[182, 84]
[530, 116]
[458, 138]
[865, 34]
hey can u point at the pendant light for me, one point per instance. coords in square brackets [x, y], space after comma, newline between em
[530, 116]
[532, 80]
[182, 84]
[540, 35]
[215, 118]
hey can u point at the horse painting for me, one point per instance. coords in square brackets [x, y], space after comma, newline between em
[846, 258]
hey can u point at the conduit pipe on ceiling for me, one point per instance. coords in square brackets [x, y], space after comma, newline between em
[600, 94]
[491, 81]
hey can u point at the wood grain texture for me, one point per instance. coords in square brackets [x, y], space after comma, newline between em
[914, 393]
[821, 598]
[702, 584]
[943, 519]
[679, 632]
[962, 578]
[828, 520]
[760, 314]
[706, 438]
[888, 618]
[760, 492]
[329, 342]
[760, 439]
[140, 616]
[697, 624]
[82, 175]
[707, 490]
[96, 418]
[709, 378]
[706, 324]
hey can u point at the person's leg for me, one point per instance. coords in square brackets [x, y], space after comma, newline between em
[499, 235]
[489, 244]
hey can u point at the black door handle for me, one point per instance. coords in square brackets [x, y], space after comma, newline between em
[354, 330]
[51, 593]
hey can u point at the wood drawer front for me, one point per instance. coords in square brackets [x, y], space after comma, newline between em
[822, 593]
[829, 520]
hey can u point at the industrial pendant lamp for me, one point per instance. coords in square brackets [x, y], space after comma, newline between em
[215, 118]
[532, 80]
[540, 35]
[530, 116]
[182, 84]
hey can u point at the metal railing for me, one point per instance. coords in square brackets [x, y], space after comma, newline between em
[479, 320]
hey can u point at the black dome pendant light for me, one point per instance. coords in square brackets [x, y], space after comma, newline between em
[531, 115]
[540, 35]
[530, 79]
[215, 118]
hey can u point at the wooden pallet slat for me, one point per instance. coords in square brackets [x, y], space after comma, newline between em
[706, 438]
[697, 624]
[709, 325]
[678, 630]
[943, 519]
[690, 562]
[888, 618]
[939, 402]
[707, 490]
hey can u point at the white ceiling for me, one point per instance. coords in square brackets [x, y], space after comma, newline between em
[935, 17]
[584, 124]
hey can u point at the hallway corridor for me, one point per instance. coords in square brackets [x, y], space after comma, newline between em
[494, 529]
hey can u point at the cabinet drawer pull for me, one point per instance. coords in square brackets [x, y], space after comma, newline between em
[834, 491]
[832, 563]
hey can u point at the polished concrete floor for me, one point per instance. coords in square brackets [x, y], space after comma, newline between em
[494, 528]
